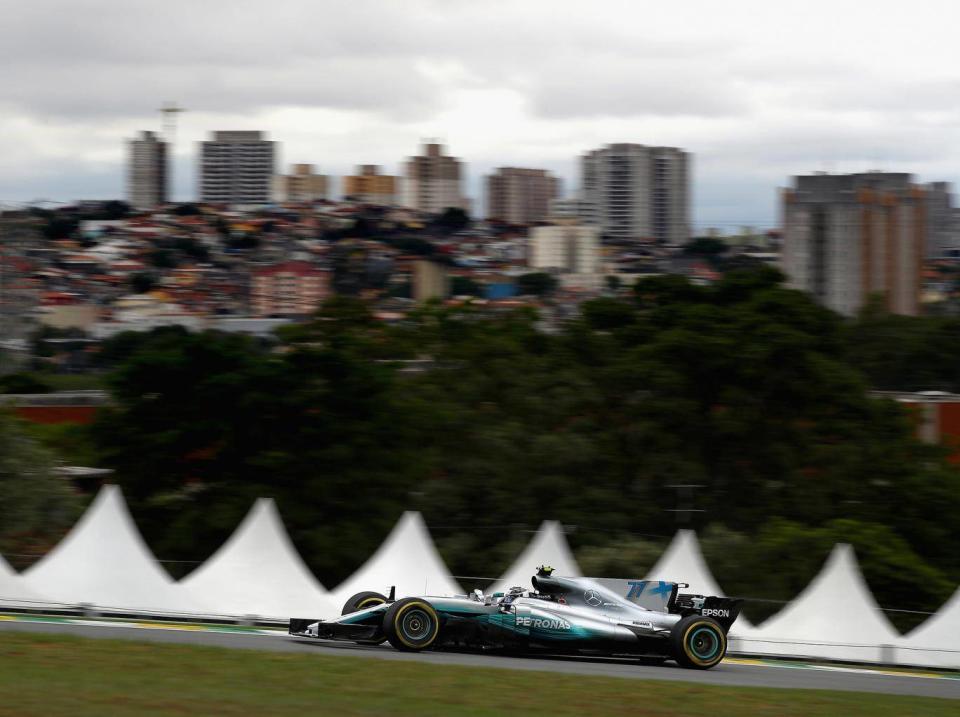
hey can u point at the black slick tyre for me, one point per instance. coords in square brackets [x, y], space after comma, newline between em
[361, 601]
[411, 625]
[698, 642]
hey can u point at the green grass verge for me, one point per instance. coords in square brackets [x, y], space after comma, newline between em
[58, 675]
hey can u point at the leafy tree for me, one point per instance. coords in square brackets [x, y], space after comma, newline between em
[707, 247]
[465, 286]
[402, 290]
[163, 259]
[605, 314]
[192, 248]
[904, 353]
[36, 505]
[205, 423]
[536, 283]
[142, 281]
[23, 383]
[186, 210]
[362, 228]
[453, 219]
[113, 209]
[59, 227]
[244, 241]
[744, 388]
[412, 245]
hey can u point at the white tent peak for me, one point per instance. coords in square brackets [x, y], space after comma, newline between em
[258, 571]
[935, 641]
[683, 562]
[408, 560]
[104, 561]
[547, 547]
[834, 617]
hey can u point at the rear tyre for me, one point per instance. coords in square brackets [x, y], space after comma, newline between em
[698, 643]
[361, 601]
[411, 625]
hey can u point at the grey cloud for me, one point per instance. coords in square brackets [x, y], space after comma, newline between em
[754, 98]
[119, 90]
[585, 94]
[893, 96]
[95, 56]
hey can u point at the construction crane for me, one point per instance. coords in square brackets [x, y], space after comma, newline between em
[168, 113]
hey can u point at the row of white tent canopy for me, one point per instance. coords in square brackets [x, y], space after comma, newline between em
[104, 563]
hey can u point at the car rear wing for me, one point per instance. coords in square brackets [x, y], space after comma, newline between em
[722, 609]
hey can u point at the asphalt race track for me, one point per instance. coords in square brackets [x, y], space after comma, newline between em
[733, 671]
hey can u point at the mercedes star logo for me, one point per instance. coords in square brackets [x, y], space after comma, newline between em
[592, 598]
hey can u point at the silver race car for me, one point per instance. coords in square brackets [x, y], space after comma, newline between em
[648, 619]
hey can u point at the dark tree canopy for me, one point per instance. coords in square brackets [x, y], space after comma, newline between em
[536, 284]
[482, 421]
[453, 219]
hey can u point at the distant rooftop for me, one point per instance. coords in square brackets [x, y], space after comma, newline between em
[238, 136]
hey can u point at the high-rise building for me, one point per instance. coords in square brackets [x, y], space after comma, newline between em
[301, 185]
[371, 187]
[639, 193]
[847, 236]
[236, 168]
[943, 231]
[146, 171]
[433, 181]
[520, 196]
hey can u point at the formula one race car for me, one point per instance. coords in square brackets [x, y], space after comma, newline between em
[648, 619]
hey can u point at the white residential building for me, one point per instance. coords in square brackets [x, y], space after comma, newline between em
[433, 181]
[571, 251]
[146, 171]
[236, 168]
[639, 193]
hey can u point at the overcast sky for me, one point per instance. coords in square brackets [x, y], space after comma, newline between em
[757, 91]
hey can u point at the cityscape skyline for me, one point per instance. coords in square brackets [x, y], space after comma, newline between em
[184, 162]
[722, 83]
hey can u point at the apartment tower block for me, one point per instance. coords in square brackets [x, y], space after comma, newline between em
[433, 181]
[638, 193]
[852, 235]
[520, 196]
[369, 186]
[147, 171]
[236, 168]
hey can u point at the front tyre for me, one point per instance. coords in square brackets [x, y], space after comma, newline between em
[698, 642]
[411, 625]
